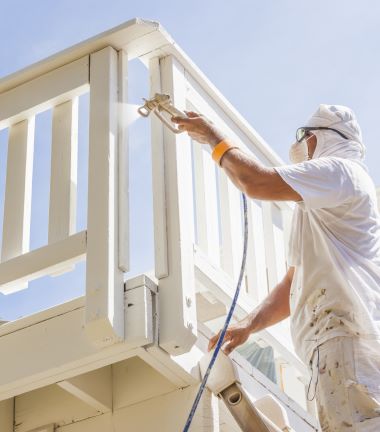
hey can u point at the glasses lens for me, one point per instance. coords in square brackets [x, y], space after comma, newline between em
[300, 134]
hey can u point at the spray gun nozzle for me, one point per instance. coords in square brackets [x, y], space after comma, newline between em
[161, 102]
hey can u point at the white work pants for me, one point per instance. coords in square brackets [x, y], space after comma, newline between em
[348, 384]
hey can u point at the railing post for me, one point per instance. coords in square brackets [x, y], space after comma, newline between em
[173, 215]
[104, 314]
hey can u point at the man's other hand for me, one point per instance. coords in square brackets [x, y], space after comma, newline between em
[235, 335]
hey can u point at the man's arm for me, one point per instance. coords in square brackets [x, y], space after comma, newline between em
[272, 310]
[256, 180]
[249, 175]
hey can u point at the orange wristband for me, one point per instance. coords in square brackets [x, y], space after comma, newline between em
[221, 149]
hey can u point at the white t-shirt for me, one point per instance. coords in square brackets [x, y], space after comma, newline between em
[335, 248]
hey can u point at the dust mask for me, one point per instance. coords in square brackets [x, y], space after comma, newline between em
[299, 152]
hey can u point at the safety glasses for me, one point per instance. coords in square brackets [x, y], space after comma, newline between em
[303, 132]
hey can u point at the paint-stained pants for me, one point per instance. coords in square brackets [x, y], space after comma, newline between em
[348, 386]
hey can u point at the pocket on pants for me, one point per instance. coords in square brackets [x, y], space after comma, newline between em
[364, 391]
[367, 364]
[365, 405]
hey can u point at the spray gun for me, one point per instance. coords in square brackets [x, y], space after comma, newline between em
[161, 102]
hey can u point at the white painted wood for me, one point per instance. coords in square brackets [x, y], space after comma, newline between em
[212, 279]
[270, 253]
[104, 280]
[146, 39]
[46, 428]
[287, 215]
[55, 349]
[47, 314]
[142, 280]
[158, 359]
[123, 163]
[94, 388]
[257, 267]
[63, 179]
[168, 411]
[135, 381]
[16, 272]
[158, 179]
[279, 240]
[206, 202]
[138, 303]
[103, 423]
[41, 408]
[7, 415]
[18, 191]
[230, 215]
[178, 321]
[44, 92]
[209, 308]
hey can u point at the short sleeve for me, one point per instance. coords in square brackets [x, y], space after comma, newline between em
[322, 182]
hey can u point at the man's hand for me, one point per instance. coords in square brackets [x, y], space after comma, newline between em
[199, 128]
[236, 335]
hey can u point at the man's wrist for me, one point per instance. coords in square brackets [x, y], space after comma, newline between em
[215, 138]
[252, 321]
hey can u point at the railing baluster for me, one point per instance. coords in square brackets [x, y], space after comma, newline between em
[256, 261]
[206, 203]
[279, 240]
[18, 192]
[232, 240]
[270, 252]
[63, 180]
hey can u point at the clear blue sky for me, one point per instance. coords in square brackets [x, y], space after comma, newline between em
[274, 60]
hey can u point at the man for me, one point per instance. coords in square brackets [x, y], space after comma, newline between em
[332, 287]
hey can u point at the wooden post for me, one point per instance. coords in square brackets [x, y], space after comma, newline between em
[104, 315]
[173, 226]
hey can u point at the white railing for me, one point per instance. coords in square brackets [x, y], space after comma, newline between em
[197, 210]
[102, 74]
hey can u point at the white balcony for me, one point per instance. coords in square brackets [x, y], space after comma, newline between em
[125, 355]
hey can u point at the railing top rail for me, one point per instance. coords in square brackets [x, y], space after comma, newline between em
[123, 36]
[144, 39]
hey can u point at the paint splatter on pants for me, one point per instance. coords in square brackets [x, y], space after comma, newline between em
[346, 372]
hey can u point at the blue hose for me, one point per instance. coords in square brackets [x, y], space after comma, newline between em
[226, 324]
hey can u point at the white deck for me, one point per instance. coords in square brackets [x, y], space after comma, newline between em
[102, 361]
